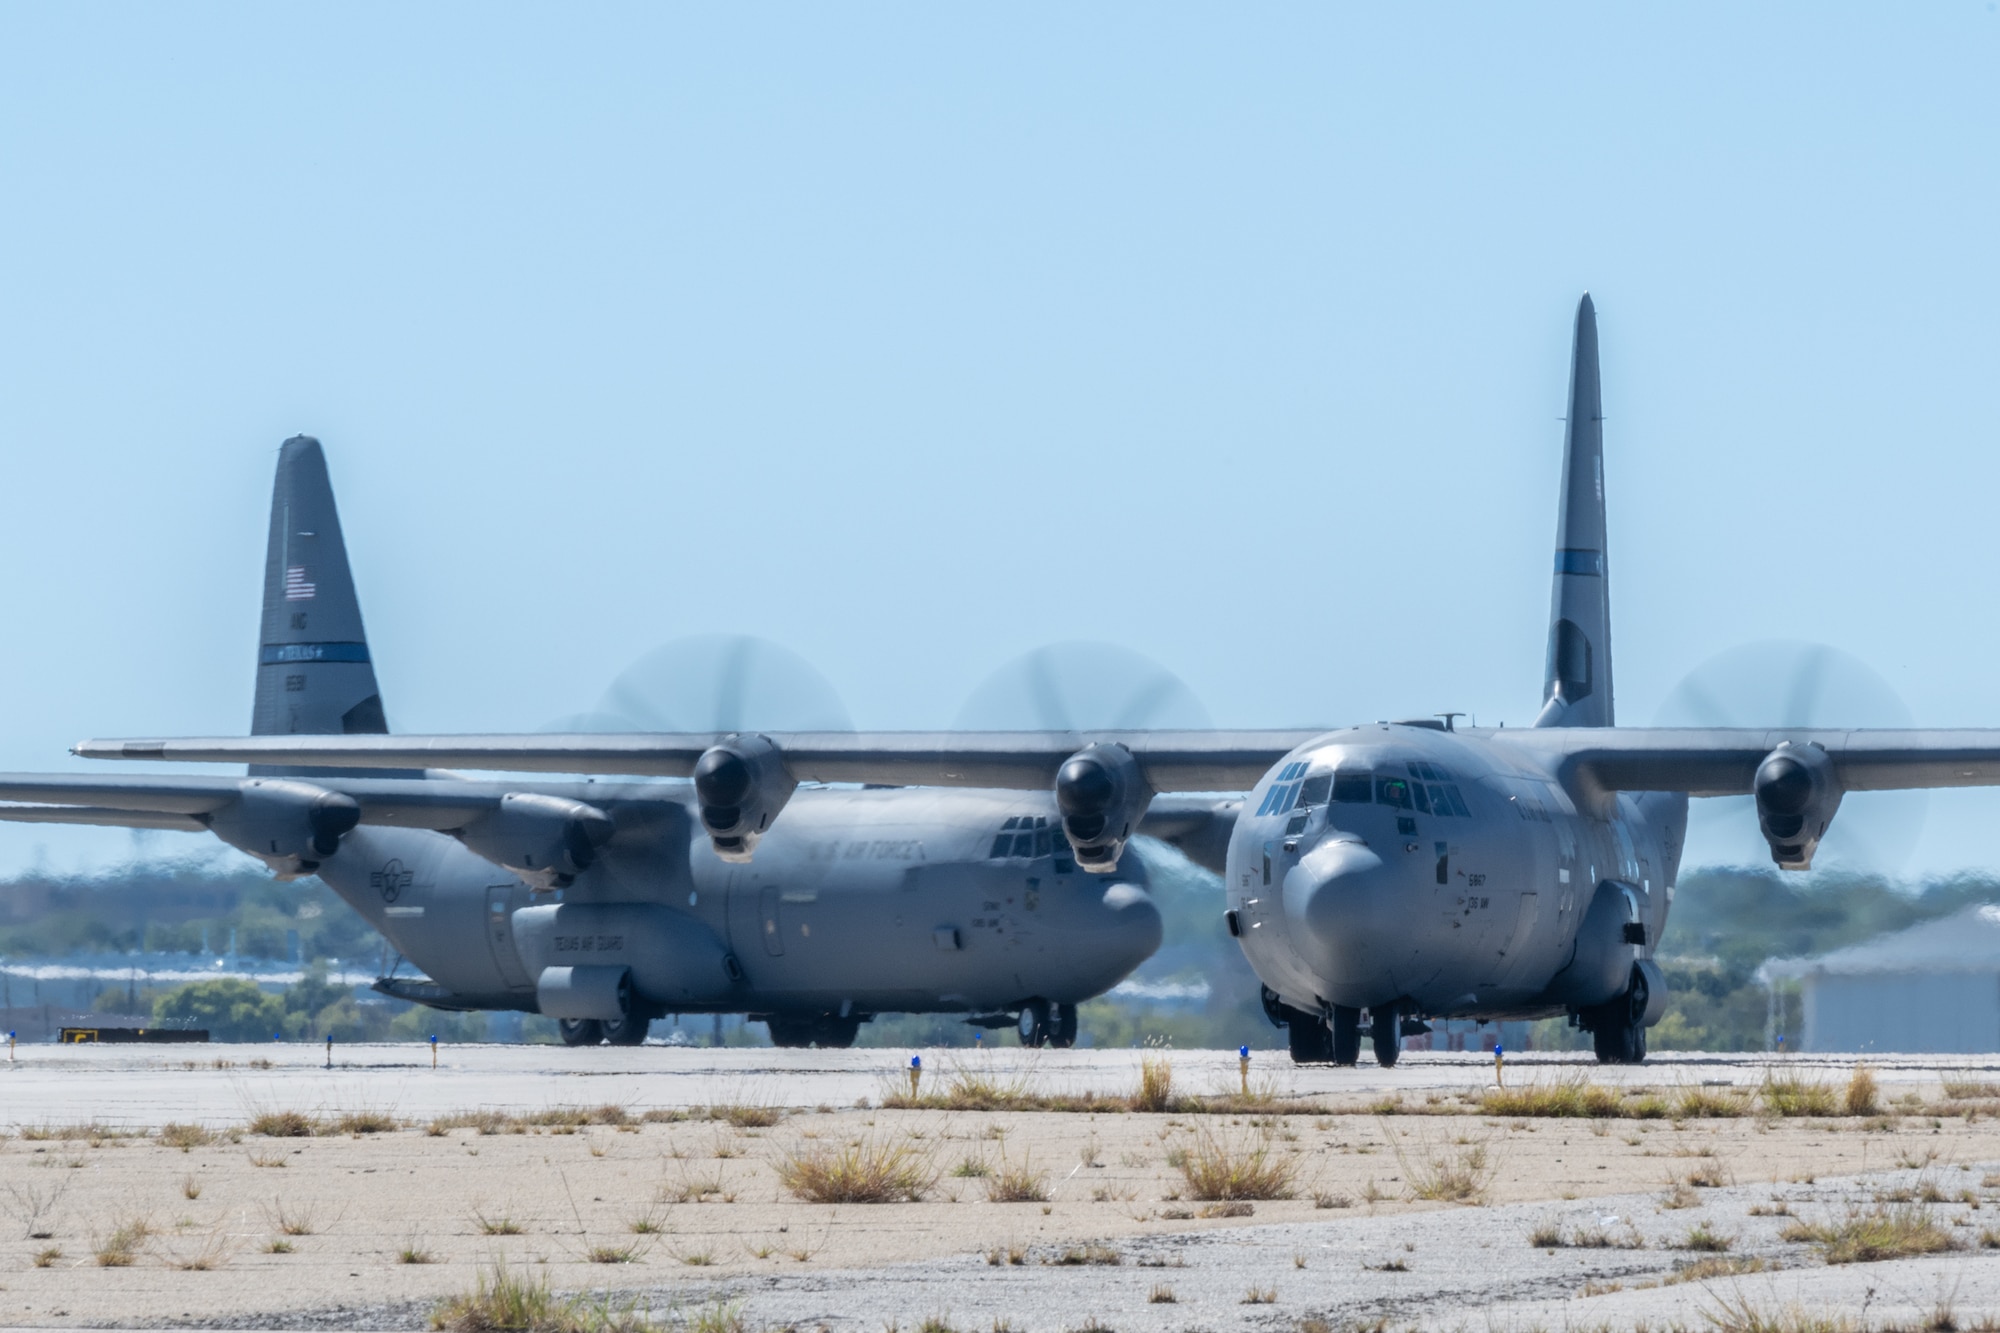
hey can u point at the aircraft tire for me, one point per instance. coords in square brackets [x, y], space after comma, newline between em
[833, 1033]
[1386, 1022]
[580, 1031]
[627, 1031]
[1063, 1035]
[1034, 1024]
[1618, 1027]
[1309, 1037]
[1346, 1035]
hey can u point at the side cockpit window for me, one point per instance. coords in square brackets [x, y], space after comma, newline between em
[1317, 788]
[1435, 790]
[1022, 836]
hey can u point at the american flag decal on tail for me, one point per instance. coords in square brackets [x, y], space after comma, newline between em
[297, 589]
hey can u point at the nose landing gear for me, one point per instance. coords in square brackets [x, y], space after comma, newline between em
[1315, 1040]
[1385, 1022]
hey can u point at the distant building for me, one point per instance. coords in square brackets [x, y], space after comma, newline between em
[1931, 989]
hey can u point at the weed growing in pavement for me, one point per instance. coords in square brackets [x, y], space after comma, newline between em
[864, 1171]
[282, 1124]
[1862, 1097]
[1790, 1094]
[1017, 1184]
[120, 1249]
[1702, 1238]
[1217, 1169]
[1447, 1173]
[1892, 1231]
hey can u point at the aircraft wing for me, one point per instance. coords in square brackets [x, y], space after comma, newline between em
[1173, 761]
[188, 802]
[1702, 761]
[1721, 761]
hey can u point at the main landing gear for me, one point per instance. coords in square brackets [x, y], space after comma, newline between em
[1618, 1027]
[1319, 1041]
[829, 1032]
[1046, 1024]
[627, 1031]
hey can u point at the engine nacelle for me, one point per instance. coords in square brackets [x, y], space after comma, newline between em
[740, 785]
[290, 826]
[1797, 793]
[1102, 795]
[546, 840]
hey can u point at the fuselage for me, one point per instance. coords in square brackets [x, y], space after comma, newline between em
[1448, 871]
[858, 901]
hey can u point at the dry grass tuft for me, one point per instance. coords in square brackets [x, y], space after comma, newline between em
[1450, 1173]
[174, 1134]
[1704, 1240]
[1216, 1169]
[1895, 1231]
[121, 1248]
[746, 1115]
[365, 1122]
[1573, 1097]
[1017, 1184]
[1862, 1098]
[865, 1171]
[1161, 1294]
[505, 1302]
[282, 1124]
[1792, 1094]
[1156, 1083]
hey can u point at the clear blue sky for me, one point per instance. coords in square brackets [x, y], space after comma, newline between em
[914, 337]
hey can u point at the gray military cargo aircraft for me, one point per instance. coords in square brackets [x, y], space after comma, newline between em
[603, 904]
[1398, 870]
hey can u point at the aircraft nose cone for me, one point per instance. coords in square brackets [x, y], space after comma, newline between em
[1340, 906]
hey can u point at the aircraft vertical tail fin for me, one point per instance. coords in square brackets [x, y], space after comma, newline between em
[314, 674]
[1577, 687]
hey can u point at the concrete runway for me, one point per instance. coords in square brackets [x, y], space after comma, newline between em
[220, 1085]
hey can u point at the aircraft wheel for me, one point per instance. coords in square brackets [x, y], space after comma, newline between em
[580, 1031]
[1618, 1028]
[833, 1033]
[790, 1032]
[1346, 1035]
[1064, 1020]
[1386, 1020]
[1034, 1026]
[1308, 1036]
[627, 1031]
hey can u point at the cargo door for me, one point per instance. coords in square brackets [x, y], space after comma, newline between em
[500, 936]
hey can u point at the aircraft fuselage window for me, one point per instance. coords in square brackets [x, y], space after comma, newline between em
[1353, 788]
[1392, 791]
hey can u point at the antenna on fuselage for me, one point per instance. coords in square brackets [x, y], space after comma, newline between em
[1576, 689]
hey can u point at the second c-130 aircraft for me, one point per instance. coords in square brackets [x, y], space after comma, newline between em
[602, 904]
[1388, 872]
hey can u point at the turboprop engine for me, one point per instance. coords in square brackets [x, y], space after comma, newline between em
[1102, 796]
[290, 826]
[741, 784]
[546, 840]
[1797, 793]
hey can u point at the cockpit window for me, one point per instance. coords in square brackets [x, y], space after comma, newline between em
[1353, 788]
[1392, 791]
[1316, 789]
[1422, 798]
[1023, 835]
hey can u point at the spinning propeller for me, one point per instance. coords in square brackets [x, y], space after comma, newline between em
[1786, 683]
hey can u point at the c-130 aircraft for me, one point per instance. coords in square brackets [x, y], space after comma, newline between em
[602, 904]
[1397, 870]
